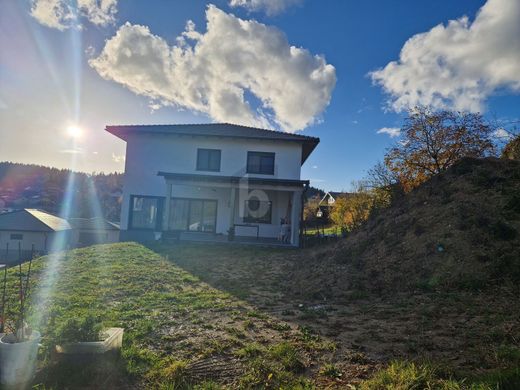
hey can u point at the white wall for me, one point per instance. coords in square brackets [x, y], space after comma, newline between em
[147, 154]
[43, 242]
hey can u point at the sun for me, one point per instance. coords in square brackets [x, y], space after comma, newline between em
[74, 131]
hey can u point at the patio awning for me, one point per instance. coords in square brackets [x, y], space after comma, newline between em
[233, 179]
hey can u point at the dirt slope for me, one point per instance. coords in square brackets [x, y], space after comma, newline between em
[459, 230]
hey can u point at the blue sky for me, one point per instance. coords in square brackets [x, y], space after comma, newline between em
[73, 69]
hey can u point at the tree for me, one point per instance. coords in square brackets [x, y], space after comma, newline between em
[383, 184]
[512, 149]
[351, 211]
[434, 140]
[310, 209]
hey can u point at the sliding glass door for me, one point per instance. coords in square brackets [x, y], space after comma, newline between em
[195, 215]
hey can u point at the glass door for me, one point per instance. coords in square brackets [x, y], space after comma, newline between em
[194, 215]
[209, 216]
[179, 211]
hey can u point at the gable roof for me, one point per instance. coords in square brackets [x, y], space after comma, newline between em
[32, 220]
[92, 224]
[218, 130]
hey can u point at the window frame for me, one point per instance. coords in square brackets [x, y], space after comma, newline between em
[251, 219]
[158, 217]
[260, 154]
[189, 200]
[199, 167]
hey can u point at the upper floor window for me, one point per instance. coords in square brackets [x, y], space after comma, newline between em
[208, 160]
[16, 236]
[260, 162]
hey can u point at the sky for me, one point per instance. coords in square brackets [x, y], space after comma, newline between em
[342, 70]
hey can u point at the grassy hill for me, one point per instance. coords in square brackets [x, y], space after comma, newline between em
[459, 230]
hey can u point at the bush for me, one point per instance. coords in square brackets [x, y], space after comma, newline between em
[79, 329]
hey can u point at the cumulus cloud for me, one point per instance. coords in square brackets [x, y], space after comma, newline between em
[458, 65]
[218, 72]
[391, 131]
[63, 14]
[271, 7]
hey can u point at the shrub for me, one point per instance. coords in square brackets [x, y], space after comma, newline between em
[79, 329]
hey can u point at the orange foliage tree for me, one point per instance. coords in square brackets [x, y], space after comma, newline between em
[434, 140]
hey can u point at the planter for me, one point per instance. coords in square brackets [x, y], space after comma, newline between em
[18, 360]
[112, 342]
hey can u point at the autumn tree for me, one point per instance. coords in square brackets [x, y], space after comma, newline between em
[512, 149]
[352, 210]
[310, 209]
[434, 140]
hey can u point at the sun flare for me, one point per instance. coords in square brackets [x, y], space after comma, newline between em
[74, 131]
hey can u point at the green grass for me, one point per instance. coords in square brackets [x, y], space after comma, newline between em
[402, 375]
[171, 319]
[329, 230]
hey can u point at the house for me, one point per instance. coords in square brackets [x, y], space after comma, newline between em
[21, 231]
[209, 181]
[328, 201]
[330, 197]
[90, 231]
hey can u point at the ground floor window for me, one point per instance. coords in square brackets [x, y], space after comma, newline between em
[257, 211]
[196, 215]
[145, 212]
[17, 236]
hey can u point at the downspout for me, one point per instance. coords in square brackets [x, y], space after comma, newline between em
[305, 188]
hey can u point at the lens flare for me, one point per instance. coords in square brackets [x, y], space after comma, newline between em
[74, 131]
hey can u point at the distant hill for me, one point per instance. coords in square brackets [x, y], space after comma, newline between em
[35, 186]
[461, 229]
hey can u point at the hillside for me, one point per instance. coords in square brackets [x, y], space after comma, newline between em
[459, 230]
[35, 186]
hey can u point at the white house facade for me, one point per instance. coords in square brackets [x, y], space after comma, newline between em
[212, 180]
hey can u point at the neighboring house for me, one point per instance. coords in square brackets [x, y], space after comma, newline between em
[328, 201]
[211, 180]
[90, 231]
[330, 198]
[29, 229]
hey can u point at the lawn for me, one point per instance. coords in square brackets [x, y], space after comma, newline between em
[179, 331]
[206, 316]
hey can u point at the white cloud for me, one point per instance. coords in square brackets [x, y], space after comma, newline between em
[214, 72]
[63, 14]
[458, 65]
[118, 158]
[502, 134]
[271, 7]
[391, 131]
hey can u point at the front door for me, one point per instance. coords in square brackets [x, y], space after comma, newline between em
[195, 215]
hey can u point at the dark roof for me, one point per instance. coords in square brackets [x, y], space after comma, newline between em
[233, 179]
[32, 220]
[92, 224]
[217, 130]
